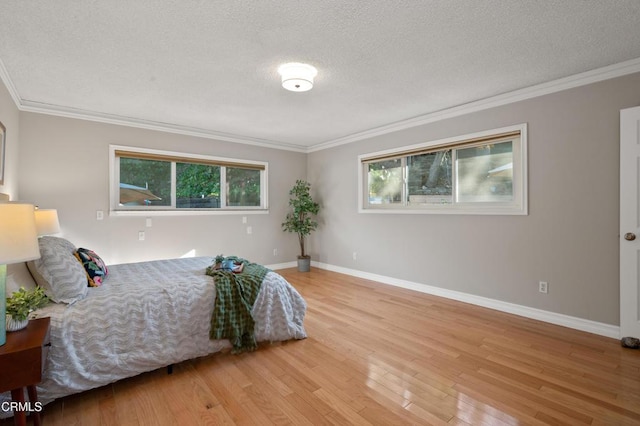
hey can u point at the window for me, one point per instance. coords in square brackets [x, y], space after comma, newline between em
[150, 180]
[482, 173]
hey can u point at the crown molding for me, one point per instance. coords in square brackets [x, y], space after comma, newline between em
[8, 83]
[582, 79]
[60, 111]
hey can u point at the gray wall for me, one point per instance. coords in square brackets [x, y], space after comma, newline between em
[569, 238]
[64, 164]
[10, 118]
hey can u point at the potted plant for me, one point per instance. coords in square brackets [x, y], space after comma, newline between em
[20, 304]
[299, 220]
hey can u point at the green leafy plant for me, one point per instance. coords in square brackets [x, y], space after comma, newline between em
[22, 302]
[218, 259]
[299, 221]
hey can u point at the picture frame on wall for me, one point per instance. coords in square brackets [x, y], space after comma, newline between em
[3, 137]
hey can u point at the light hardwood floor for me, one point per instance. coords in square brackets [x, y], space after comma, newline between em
[382, 355]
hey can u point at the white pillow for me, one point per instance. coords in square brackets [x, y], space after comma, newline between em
[18, 276]
[58, 271]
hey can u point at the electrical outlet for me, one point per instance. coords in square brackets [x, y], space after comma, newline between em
[543, 287]
[249, 230]
[355, 255]
[275, 251]
[140, 235]
[99, 215]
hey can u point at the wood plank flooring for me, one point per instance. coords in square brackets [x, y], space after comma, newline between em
[382, 355]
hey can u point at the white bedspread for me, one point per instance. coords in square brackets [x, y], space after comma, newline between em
[148, 315]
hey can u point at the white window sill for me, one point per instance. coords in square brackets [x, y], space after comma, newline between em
[185, 212]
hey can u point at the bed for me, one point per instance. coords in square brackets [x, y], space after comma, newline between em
[142, 317]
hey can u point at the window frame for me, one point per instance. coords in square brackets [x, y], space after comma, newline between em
[518, 206]
[115, 209]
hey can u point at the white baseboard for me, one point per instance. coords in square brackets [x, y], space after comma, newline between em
[576, 323]
[282, 265]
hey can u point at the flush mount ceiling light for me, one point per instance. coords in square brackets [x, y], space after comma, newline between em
[297, 77]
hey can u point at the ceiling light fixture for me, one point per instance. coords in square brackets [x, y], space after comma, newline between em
[297, 77]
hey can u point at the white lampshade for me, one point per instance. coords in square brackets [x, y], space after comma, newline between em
[18, 243]
[18, 236]
[47, 222]
[297, 77]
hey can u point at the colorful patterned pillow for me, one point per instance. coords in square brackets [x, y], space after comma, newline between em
[93, 265]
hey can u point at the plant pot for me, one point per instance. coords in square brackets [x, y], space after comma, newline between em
[304, 263]
[15, 325]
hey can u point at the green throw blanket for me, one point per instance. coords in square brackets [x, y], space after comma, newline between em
[235, 295]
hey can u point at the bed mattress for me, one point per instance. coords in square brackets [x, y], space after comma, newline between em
[149, 315]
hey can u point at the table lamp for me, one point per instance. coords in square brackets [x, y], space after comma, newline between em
[18, 243]
[47, 222]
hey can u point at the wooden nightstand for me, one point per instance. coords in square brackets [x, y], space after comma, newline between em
[21, 364]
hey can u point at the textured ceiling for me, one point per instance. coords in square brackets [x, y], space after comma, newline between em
[211, 66]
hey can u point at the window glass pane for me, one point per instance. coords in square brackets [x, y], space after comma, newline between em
[429, 178]
[197, 186]
[485, 173]
[162, 181]
[243, 187]
[145, 182]
[479, 173]
[385, 182]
